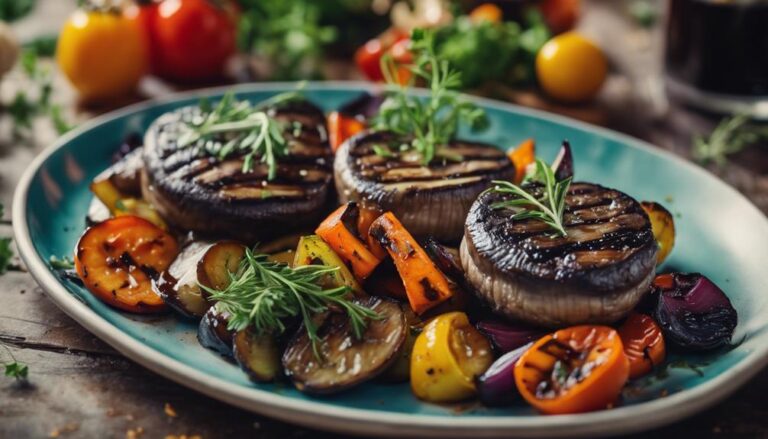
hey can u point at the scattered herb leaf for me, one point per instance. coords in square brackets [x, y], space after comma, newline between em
[12, 10]
[17, 370]
[64, 263]
[731, 135]
[544, 201]
[6, 254]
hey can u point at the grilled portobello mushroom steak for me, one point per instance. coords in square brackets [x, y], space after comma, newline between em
[429, 200]
[213, 197]
[595, 274]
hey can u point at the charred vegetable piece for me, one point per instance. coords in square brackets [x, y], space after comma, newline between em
[219, 261]
[213, 333]
[140, 208]
[312, 250]
[425, 285]
[447, 357]
[107, 193]
[258, 355]
[345, 360]
[367, 216]
[507, 337]
[339, 230]
[496, 387]
[400, 371]
[341, 127]
[563, 164]
[446, 260]
[663, 225]
[125, 174]
[364, 107]
[577, 369]
[693, 312]
[386, 282]
[643, 344]
[522, 157]
[284, 257]
[117, 260]
[179, 285]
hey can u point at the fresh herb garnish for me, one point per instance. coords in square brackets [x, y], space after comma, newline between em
[23, 109]
[6, 253]
[288, 34]
[430, 122]
[13, 10]
[730, 136]
[545, 203]
[64, 263]
[262, 294]
[245, 129]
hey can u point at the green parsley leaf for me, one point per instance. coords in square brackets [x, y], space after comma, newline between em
[17, 370]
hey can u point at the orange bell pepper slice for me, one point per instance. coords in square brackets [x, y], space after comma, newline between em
[486, 12]
[574, 370]
[425, 285]
[643, 344]
[521, 157]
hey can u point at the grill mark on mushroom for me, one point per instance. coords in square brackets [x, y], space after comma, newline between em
[191, 188]
[595, 273]
[429, 200]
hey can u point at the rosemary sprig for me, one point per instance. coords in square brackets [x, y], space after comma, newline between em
[238, 127]
[546, 205]
[730, 136]
[434, 121]
[262, 294]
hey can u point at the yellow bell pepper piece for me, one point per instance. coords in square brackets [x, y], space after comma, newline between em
[446, 358]
[312, 249]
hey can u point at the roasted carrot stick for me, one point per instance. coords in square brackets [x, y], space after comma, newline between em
[341, 128]
[425, 285]
[367, 217]
[339, 232]
[521, 157]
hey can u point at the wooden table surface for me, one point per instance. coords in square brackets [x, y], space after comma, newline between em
[80, 387]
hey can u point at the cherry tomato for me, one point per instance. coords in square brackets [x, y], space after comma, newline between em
[368, 57]
[104, 54]
[486, 12]
[643, 344]
[560, 15]
[574, 370]
[193, 39]
[118, 259]
[571, 68]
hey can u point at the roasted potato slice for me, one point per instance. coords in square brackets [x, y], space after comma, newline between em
[663, 226]
[344, 360]
[119, 258]
[258, 355]
[218, 262]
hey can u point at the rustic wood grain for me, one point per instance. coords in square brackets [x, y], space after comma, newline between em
[80, 387]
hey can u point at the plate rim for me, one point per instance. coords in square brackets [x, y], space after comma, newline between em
[318, 414]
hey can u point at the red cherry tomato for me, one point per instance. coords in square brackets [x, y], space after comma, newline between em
[560, 15]
[192, 39]
[368, 57]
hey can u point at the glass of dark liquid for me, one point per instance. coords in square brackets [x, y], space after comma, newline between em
[717, 55]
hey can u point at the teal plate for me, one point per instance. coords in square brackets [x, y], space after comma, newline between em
[719, 233]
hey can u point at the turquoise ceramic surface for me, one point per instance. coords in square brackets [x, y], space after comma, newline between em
[719, 233]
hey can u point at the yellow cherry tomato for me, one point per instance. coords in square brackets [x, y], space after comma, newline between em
[571, 68]
[446, 358]
[103, 54]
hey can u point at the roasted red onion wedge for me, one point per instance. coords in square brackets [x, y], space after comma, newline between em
[507, 337]
[194, 191]
[213, 333]
[693, 312]
[563, 164]
[496, 387]
[527, 272]
[429, 200]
